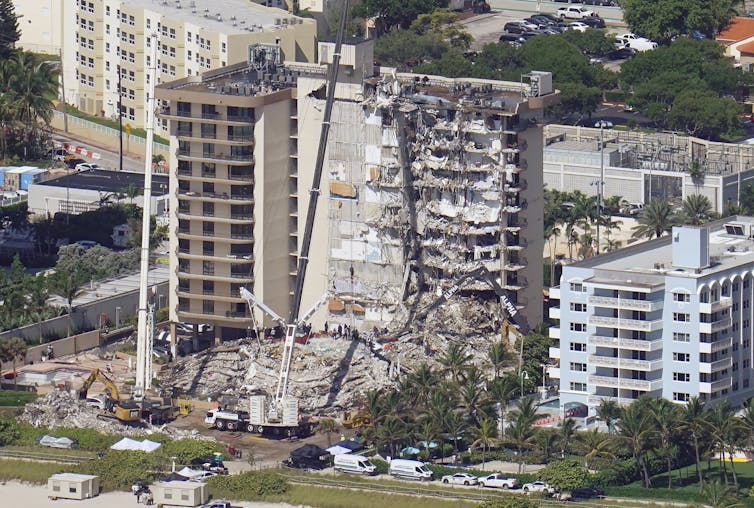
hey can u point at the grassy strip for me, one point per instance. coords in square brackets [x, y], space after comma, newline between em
[27, 471]
[71, 110]
[327, 497]
[15, 398]
[51, 452]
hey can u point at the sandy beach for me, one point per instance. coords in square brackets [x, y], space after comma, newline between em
[19, 495]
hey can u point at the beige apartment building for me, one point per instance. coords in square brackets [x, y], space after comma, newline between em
[425, 178]
[194, 36]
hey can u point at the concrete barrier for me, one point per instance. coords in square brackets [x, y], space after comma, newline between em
[62, 347]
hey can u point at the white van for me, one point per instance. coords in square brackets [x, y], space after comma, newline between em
[348, 463]
[411, 469]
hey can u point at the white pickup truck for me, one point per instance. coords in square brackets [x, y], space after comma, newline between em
[635, 42]
[574, 12]
[498, 481]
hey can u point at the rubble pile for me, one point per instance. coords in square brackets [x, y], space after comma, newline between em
[328, 375]
[59, 409]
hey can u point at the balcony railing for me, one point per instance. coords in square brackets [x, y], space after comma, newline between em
[238, 137]
[625, 363]
[628, 324]
[714, 347]
[183, 132]
[716, 366]
[630, 384]
[636, 344]
[715, 326]
[624, 303]
[241, 118]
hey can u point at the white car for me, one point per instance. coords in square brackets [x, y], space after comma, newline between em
[539, 487]
[574, 12]
[87, 165]
[460, 479]
[578, 26]
[635, 42]
[204, 475]
[498, 481]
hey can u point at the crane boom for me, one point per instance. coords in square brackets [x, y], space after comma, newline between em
[303, 257]
[253, 301]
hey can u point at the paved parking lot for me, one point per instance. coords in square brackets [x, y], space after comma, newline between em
[486, 28]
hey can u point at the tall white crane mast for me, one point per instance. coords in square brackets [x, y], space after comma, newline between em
[145, 328]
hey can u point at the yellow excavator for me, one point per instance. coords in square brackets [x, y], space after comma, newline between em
[125, 411]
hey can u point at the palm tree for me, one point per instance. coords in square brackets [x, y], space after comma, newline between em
[496, 357]
[608, 411]
[521, 435]
[455, 427]
[665, 415]
[419, 385]
[546, 440]
[720, 496]
[68, 287]
[473, 399]
[485, 436]
[697, 210]
[593, 444]
[726, 431]
[636, 432]
[12, 350]
[328, 426]
[694, 422]
[455, 360]
[656, 219]
[391, 433]
[526, 410]
[131, 191]
[566, 432]
[501, 391]
[428, 433]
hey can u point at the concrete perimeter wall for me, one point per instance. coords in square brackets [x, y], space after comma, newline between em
[63, 347]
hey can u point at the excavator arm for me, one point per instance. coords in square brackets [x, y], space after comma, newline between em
[98, 375]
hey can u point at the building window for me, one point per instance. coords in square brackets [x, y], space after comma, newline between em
[681, 337]
[578, 327]
[172, 33]
[578, 367]
[681, 397]
[578, 387]
[578, 307]
[577, 287]
[223, 47]
[683, 377]
[578, 346]
[681, 297]
[107, 10]
[681, 317]
[681, 357]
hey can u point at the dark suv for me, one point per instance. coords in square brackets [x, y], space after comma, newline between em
[516, 27]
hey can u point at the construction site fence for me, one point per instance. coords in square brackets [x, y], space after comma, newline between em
[106, 136]
[62, 347]
[109, 311]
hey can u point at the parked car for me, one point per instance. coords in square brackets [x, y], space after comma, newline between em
[634, 41]
[578, 26]
[460, 479]
[73, 162]
[574, 12]
[518, 27]
[87, 165]
[87, 244]
[409, 469]
[587, 493]
[594, 22]
[547, 19]
[621, 53]
[539, 487]
[498, 481]
[59, 154]
[514, 39]
[632, 209]
[203, 476]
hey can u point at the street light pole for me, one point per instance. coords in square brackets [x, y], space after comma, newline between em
[120, 121]
[601, 124]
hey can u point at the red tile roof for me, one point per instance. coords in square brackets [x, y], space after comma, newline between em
[747, 48]
[739, 28]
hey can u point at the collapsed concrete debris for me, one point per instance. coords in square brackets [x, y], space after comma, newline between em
[59, 409]
[329, 375]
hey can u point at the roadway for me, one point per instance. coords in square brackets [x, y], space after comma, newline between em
[110, 158]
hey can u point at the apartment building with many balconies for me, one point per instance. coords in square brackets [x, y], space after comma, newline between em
[669, 318]
[425, 177]
[193, 36]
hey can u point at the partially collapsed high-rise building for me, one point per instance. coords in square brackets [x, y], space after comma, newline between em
[426, 178]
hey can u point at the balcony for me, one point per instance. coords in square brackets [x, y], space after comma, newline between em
[555, 353]
[555, 293]
[625, 363]
[716, 366]
[626, 324]
[633, 344]
[596, 400]
[624, 303]
[554, 312]
[553, 372]
[715, 326]
[725, 302]
[624, 383]
[213, 196]
[714, 347]
[185, 314]
[212, 117]
[554, 332]
[715, 386]
[222, 158]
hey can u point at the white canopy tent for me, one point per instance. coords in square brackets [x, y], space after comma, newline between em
[133, 445]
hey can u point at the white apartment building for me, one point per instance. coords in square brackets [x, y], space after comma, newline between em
[669, 318]
[193, 36]
[425, 178]
[45, 24]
